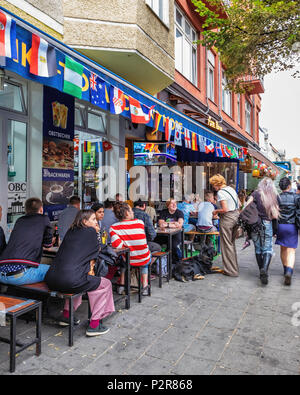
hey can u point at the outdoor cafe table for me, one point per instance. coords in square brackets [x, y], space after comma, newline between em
[169, 233]
[52, 251]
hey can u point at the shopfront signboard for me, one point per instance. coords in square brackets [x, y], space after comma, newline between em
[58, 151]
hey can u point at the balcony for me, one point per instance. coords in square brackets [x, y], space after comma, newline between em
[253, 85]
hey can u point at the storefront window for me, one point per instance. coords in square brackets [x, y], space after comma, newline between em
[13, 98]
[96, 120]
[88, 158]
[17, 169]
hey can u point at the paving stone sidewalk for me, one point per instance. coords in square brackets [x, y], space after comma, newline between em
[216, 326]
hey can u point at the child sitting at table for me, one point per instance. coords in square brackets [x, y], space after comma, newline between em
[205, 216]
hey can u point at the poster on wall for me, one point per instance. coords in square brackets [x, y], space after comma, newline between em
[17, 195]
[58, 151]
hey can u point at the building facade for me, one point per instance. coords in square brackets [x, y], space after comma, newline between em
[142, 49]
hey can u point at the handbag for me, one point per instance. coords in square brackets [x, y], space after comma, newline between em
[107, 256]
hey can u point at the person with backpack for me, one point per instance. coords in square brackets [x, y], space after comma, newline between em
[265, 198]
[228, 213]
[288, 225]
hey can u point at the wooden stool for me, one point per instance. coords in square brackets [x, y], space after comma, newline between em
[159, 255]
[12, 307]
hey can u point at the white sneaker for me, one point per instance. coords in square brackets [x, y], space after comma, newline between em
[120, 290]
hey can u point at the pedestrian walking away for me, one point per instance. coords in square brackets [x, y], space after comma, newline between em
[265, 198]
[229, 213]
[288, 225]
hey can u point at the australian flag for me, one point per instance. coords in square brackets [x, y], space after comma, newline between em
[99, 92]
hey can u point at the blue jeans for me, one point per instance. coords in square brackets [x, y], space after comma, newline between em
[264, 244]
[30, 276]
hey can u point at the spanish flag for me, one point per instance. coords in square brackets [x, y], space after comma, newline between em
[194, 142]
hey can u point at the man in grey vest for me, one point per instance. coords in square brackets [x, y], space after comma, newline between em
[67, 217]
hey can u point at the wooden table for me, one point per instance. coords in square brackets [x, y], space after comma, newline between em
[169, 233]
[51, 253]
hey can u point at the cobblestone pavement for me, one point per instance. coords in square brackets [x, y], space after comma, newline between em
[216, 326]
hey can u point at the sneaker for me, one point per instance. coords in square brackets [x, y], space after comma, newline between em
[100, 330]
[145, 291]
[120, 290]
[63, 321]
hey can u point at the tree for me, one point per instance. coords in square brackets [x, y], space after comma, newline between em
[256, 37]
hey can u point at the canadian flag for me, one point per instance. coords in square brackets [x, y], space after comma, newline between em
[138, 114]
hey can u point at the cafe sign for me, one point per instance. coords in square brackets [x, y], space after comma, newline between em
[214, 124]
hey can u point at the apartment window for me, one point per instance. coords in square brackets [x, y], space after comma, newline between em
[211, 60]
[185, 49]
[248, 116]
[239, 109]
[161, 9]
[226, 96]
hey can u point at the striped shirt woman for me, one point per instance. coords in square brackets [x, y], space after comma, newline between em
[130, 233]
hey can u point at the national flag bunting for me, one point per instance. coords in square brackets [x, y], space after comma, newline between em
[187, 138]
[106, 145]
[178, 134]
[219, 151]
[73, 78]
[209, 146]
[202, 141]
[157, 119]
[99, 90]
[117, 100]
[8, 46]
[194, 141]
[43, 58]
[169, 128]
[139, 113]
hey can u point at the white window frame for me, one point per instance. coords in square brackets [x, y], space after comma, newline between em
[248, 112]
[161, 9]
[226, 96]
[211, 63]
[185, 50]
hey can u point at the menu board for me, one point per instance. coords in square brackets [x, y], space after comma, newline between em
[58, 151]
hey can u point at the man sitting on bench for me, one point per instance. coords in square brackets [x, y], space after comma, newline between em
[205, 216]
[20, 260]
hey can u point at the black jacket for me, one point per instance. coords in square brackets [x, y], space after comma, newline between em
[69, 269]
[2, 240]
[30, 234]
[289, 204]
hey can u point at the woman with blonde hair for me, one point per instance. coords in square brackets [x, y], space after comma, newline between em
[266, 199]
[228, 212]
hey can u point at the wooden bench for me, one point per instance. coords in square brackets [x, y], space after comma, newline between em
[215, 235]
[13, 307]
[42, 289]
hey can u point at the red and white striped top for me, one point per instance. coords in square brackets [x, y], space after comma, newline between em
[131, 234]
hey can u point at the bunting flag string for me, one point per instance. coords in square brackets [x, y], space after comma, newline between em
[105, 95]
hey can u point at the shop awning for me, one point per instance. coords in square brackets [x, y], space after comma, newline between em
[109, 80]
[260, 157]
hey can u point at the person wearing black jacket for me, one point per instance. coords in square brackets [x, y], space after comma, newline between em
[20, 259]
[139, 213]
[2, 235]
[72, 271]
[288, 225]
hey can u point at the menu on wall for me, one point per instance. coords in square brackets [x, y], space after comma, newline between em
[58, 151]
